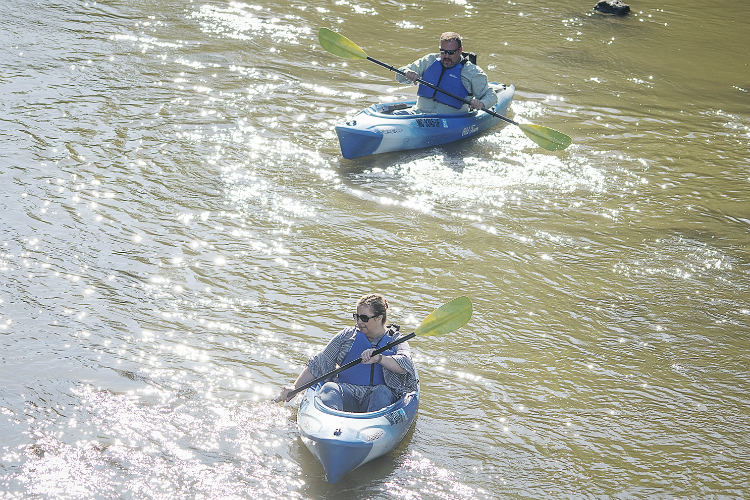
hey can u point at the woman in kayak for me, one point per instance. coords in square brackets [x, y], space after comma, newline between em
[449, 71]
[377, 381]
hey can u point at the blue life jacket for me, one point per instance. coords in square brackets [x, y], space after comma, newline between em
[362, 374]
[446, 79]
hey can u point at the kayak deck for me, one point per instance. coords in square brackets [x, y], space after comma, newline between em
[391, 126]
[342, 441]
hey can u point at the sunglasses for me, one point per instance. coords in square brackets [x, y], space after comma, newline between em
[449, 52]
[365, 318]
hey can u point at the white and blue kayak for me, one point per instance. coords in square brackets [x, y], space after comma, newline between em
[343, 441]
[387, 127]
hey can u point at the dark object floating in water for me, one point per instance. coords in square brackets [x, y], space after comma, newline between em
[616, 7]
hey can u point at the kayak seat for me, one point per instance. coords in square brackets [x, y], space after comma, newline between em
[394, 107]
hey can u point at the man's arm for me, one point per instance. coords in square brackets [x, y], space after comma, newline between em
[475, 81]
[418, 67]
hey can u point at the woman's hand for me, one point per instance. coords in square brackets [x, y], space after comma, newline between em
[303, 379]
[368, 358]
[284, 394]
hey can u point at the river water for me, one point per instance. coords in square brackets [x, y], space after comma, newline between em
[179, 233]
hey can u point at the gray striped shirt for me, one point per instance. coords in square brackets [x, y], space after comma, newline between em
[334, 353]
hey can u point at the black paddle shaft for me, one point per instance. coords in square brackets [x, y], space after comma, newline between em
[348, 365]
[462, 99]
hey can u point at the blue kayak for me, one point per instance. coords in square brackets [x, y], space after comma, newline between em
[343, 441]
[387, 127]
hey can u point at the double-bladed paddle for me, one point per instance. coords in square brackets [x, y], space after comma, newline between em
[339, 45]
[446, 318]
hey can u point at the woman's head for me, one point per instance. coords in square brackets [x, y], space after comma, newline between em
[377, 304]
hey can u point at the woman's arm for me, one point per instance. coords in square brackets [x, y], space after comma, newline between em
[302, 379]
[387, 361]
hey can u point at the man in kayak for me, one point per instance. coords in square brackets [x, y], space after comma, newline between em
[377, 381]
[448, 70]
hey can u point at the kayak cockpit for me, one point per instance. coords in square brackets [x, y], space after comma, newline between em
[342, 441]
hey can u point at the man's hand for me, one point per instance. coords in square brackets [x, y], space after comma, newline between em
[476, 104]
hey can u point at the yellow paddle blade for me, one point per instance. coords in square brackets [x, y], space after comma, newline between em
[339, 45]
[549, 139]
[446, 318]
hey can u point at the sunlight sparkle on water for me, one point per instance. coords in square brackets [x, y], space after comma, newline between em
[443, 178]
[237, 21]
[157, 449]
[417, 473]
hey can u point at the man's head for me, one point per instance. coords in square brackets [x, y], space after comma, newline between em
[450, 49]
